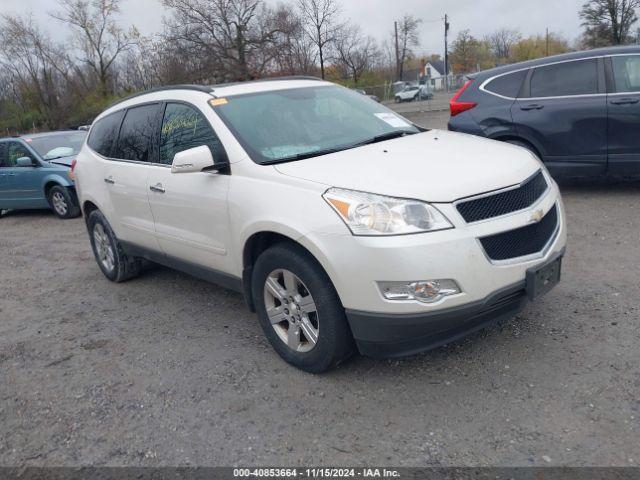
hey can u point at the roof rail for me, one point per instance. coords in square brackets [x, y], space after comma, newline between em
[210, 88]
[199, 88]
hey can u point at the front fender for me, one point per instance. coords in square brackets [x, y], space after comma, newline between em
[59, 178]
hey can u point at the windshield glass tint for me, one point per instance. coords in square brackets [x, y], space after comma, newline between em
[58, 145]
[280, 125]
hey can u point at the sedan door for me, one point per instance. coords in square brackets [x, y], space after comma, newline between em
[190, 209]
[624, 114]
[563, 112]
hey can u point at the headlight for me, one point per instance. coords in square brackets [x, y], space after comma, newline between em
[369, 214]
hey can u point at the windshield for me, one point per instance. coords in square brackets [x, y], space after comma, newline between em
[57, 145]
[284, 125]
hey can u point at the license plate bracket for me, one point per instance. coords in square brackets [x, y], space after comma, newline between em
[542, 279]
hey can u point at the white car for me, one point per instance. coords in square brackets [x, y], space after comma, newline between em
[346, 227]
[411, 93]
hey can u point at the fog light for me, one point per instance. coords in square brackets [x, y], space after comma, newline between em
[427, 291]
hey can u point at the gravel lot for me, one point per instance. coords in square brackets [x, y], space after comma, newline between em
[169, 370]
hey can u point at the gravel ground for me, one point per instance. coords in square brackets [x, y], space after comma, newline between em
[169, 370]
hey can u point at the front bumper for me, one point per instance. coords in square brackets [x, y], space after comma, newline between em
[387, 336]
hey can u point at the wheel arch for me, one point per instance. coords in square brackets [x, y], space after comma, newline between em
[255, 245]
[532, 145]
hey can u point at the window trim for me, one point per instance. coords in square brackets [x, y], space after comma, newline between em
[610, 75]
[526, 85]
[195, 107]
[157, 133]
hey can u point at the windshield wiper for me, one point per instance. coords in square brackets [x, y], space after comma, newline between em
[302, 156]
[387, 136]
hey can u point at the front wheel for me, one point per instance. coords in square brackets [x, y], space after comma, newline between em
[299, 310]
[398, 100]
[62, 202]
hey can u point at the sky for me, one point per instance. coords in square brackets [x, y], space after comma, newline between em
[375, 17]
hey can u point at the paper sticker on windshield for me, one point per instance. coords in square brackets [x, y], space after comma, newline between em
[218, 101]
[393, 120]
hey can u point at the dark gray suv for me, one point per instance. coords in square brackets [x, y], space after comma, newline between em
[579, 112]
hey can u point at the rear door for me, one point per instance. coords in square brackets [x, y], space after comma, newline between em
[126, 175]
[623, 129]
[563, 111]
[190, 209]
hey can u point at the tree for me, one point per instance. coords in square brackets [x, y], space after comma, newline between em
[320, 20]
[295, 52]
[608, 22]
[408, 39]
[535, 46]
[228, 40]
[355, 53]
[501, 41]
[35, 65]
[98, 35]
[468, 54]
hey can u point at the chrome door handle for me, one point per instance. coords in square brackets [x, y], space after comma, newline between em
[109, 180]
[157, 188]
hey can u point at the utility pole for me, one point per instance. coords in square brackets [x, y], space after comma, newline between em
[446, 53]
[395, 27]
[547, 41]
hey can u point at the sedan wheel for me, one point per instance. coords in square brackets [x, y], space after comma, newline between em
[291, 310]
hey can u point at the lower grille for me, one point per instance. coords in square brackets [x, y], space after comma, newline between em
[522, 241]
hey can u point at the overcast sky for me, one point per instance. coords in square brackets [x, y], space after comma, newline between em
[376, 16]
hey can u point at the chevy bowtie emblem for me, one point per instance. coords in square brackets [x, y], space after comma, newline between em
[536, 216]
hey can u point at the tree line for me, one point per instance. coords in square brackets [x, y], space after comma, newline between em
[47, 84]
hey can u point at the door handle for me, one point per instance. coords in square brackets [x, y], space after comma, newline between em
[158, 188]
[109, 180]
[625, 101]
[533, 106]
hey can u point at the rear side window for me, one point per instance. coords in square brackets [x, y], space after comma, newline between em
[507, 85]
[184, 127]
[626, 72]
[104, 134]
[137, 132]
[562, 79]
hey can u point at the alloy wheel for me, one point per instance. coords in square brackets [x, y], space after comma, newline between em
[291, 310]
[59, 204]
[104, 250]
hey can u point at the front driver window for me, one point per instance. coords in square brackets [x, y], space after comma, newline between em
[184, 127]
[16, 150]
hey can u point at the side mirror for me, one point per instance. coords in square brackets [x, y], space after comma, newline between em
[195, 159]
[24, 162]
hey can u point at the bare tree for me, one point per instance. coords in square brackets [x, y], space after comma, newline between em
[320, 19]
[98, 36]
[294, 50]
[501, 42]
[608, 22]
[408, 39]
[233, 37]
[35, 65]
[355, 53]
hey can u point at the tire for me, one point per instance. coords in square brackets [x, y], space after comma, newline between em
[398, 100]
[63, 202]
[317, 303]
[116, 265]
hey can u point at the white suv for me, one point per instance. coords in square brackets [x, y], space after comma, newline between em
[345, 226]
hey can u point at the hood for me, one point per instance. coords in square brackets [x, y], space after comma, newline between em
[64, 161]
[434, 166]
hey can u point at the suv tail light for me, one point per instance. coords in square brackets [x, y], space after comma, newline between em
[459, 107]
[73, 167]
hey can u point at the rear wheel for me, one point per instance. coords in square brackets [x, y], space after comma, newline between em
[299, 310]
[116, 265]
[63, 202]
[398, 100]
